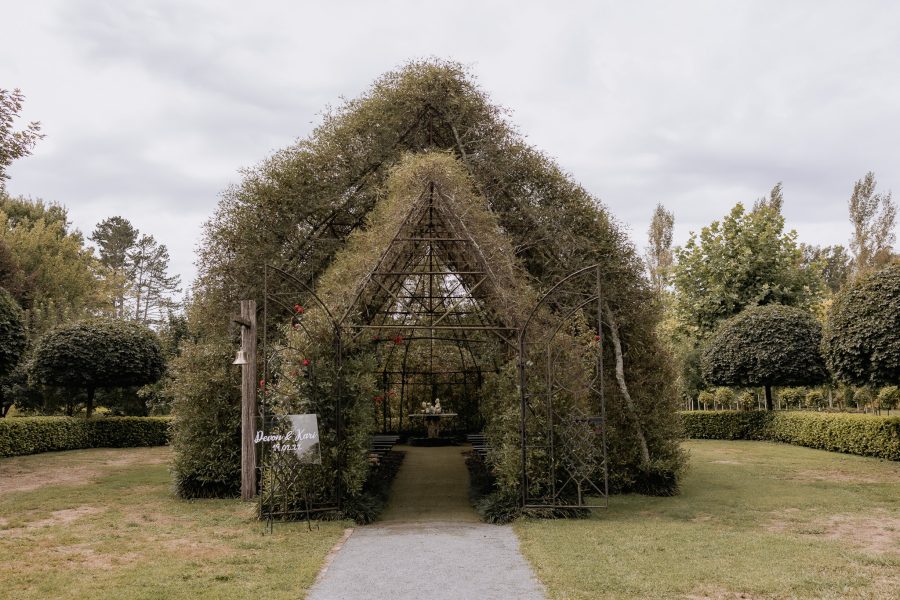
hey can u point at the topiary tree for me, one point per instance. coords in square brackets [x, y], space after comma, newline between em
[12, 340]
[862, 339]
[766, 346]
[95, 354]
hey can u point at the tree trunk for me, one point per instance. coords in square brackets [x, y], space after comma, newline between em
[769, 404]
[623, 387]
[89, 407]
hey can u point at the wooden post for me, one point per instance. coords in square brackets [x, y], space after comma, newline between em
[248, 400]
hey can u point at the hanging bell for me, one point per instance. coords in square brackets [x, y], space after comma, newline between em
[241, 358]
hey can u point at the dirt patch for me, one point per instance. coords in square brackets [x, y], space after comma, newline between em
[197, 550]
[79, 467]
[83, 556]
[837, 476]
[20, 480]
[134, 459]
[65, 516]
[57, 517]
[717, 593]
[877, 533]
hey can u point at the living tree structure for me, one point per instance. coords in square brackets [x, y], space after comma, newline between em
[406, 251]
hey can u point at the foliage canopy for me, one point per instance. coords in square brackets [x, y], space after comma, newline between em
[99, 353]
[297, 210]
[12, 332]
[862, 339]
[766, 346]
[746, 260]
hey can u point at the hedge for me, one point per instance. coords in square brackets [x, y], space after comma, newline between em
[32, 435]
[865, 435]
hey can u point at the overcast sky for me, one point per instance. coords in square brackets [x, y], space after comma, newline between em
[150, 108]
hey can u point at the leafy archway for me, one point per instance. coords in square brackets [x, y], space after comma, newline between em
[307, 206]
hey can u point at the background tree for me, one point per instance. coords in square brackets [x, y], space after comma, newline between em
[766, 346]
[152, 288]
[59, 269]
[873, 217]
[98, 354]
[13, 277]
[746, 260]
[12, 341]
[115, 238]
[659, 249]
[136, 272]
[835, 263]
[14, 144]
[862, 339]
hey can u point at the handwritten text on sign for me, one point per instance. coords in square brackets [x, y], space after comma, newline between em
[293, 433]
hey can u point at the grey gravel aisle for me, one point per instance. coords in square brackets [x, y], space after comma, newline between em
[430, 545]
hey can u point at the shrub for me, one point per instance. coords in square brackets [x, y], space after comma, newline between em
[766, 346]
[814, 398]
[889, 397]
[96, 354]
[32, 435]
[724, 425]
[207, 428]
[792, 397]
[865, 435]
[862, 340]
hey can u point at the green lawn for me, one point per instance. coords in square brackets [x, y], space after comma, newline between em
[754, 520]
[105, 524]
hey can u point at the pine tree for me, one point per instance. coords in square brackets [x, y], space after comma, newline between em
[152, 287]
[115, 237]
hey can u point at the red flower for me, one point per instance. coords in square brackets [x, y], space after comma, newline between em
[378, 399]
[596, 338]
[392, 393]
[262, 383]
[306, 362]
[298, 309]
[398, 340]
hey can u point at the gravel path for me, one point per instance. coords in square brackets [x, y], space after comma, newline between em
[430, 544]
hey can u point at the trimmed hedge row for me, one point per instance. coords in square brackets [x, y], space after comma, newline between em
[865, 435]
[32, 435]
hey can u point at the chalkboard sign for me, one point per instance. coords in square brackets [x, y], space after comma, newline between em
[296, 434]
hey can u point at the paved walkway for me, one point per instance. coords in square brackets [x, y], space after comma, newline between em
[429, 544]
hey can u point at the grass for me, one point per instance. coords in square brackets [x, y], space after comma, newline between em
[105, 524]
[754, 520]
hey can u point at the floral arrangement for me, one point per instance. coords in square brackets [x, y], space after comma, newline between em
[432, 409]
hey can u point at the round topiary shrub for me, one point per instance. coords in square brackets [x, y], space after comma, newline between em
[862, 340]
[100, 353]
[766, 346]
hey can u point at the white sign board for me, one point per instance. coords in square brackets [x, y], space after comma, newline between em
[297, 434]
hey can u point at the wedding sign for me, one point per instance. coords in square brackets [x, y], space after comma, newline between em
[297, 434]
